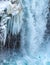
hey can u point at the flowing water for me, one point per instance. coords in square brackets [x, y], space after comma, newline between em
[27, 35]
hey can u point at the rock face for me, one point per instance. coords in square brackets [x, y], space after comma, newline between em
[3, 31]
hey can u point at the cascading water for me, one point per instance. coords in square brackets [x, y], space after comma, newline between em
[26, 39]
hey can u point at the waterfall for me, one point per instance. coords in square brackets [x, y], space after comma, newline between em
[25, 35]
[34, 25]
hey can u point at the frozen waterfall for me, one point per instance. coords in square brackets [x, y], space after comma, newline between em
[25, 35]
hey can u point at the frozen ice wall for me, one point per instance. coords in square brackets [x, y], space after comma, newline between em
[31, 25]
[34, 26]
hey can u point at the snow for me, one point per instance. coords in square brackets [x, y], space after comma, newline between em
[4, 5]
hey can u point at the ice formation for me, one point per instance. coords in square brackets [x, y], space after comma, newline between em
[25, 32]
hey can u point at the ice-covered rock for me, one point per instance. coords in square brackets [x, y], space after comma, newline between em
[10, 18]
